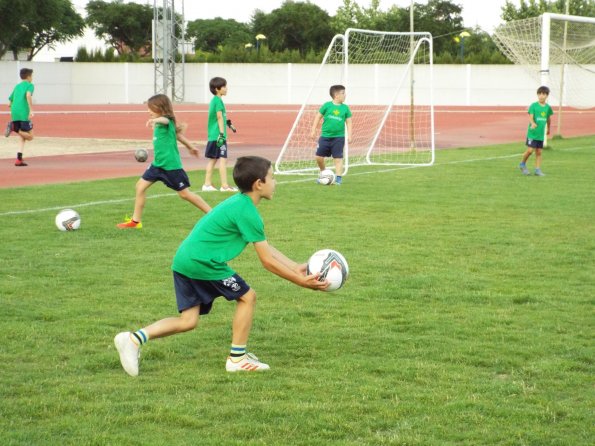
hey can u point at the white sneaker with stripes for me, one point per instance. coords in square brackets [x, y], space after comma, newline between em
[249, 363]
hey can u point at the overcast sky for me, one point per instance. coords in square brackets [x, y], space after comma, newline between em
[483, 13]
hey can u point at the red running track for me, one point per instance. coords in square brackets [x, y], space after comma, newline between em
[261, 130]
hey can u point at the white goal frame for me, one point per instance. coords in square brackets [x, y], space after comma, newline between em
[366, 153]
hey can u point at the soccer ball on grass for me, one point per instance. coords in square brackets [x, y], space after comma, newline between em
[68, 220]
[326, 177]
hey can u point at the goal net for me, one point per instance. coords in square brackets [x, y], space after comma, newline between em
[388, 80]
[558, 50]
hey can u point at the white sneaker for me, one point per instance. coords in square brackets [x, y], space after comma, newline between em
[209, 188]
[250, 363]
[129, 352]
[229, 189]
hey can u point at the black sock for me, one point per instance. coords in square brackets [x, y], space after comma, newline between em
[19, 156]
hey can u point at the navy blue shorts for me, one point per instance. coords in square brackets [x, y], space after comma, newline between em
[25, 126]
[174, 179]
[534, 143]
[330, 147]
[193, 292]
[214, 152]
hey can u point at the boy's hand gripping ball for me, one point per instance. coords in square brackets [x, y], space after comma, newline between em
[331, 265]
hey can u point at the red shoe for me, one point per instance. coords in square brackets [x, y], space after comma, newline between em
[129, 224]
[20, 163]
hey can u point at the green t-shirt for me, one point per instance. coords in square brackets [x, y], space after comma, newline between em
[219, 237]
[540, 113]
[19, 107]
[165, 146]
[215, 106]
[334, 116]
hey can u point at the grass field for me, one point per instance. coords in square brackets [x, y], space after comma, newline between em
[467, 320]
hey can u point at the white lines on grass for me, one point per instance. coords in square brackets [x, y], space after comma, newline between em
[309, 179]
[396, 168]
[79, 205]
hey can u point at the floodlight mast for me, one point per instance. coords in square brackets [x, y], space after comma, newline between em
[168, 73]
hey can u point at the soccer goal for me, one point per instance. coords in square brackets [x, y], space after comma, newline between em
[559, 51]
[388, 78]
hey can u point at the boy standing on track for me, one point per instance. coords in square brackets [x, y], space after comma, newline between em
[336, 116]
[540, 113]
[217, 137]
[21, 112]
[201, 273]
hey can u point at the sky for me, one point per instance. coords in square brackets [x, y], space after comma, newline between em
[482, 13]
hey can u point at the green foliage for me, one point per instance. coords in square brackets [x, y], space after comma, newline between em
[467, 319]
[479, 48]
[125, 26]
[534, 8]
[107, 55]
[210, 35]
[32, 26]
[295, 26]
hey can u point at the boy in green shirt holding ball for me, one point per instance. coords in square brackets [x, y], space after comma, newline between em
[202, 274]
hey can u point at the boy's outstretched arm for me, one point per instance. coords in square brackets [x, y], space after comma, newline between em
[276, 262]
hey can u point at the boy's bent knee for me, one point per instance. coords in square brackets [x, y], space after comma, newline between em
[188, 322]
[185, 194]
[249, 297]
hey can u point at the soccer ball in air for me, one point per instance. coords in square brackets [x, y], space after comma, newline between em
[68, 220]
[141, 155]
[326, 177]
[332, 266]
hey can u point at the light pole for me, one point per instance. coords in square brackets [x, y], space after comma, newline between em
[259, 37]
[463, 36]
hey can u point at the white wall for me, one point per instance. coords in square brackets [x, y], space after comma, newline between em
[132, 83]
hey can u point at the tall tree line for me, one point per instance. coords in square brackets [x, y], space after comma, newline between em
[297, 31]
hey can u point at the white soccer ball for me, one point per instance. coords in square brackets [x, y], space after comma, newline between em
[326, 177]
[332, 266]
[141, 155]
[68, 220]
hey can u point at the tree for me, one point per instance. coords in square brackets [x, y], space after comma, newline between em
[40, 24]
[481, 49]
[213, 34]
[352, 15]
[441, 18]
[125, 26]
[534, 8]
[295, 25]
[347, 16]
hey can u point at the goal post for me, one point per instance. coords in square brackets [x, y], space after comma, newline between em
[558, 50]
[391, 104]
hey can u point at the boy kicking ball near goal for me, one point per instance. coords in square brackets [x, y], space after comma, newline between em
[201, 273]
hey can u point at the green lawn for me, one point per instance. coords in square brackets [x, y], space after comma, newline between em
[467, 320]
